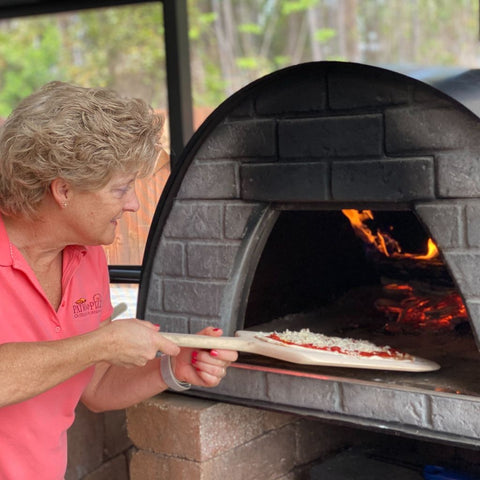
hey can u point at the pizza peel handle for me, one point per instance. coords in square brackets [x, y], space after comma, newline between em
[240, 344]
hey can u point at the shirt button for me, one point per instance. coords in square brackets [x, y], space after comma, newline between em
[58, 329]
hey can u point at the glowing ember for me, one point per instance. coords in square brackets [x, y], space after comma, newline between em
[417, 309]
[382, 241]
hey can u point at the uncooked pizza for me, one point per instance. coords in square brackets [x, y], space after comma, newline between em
[343, 346]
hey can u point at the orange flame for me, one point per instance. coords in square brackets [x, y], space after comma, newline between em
[383, 242]
[432, 252]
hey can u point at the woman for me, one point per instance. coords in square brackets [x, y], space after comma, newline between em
[69, 159]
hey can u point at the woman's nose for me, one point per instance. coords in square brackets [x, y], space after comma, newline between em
[132, 204]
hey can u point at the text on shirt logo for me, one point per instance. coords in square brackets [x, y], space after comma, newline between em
[82, 307]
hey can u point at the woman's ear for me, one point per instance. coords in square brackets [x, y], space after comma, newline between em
[61, 192]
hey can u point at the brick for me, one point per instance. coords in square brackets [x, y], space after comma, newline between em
[458, 174]
[244, 109]
[210, 180]
[316, 439]
[229, 428]
[425, 94]
[285, 182]
[390, 405]
[168, 322]
[194, 220]
[117, 469]
[244, 383]
[444, 221]
[391, 180]
[299, 89]
[116, 437]
[289, 391]
[354, 86]
[168, 424]
[464, 268]
[193, 297]
[155, 291]
[275, 420]
[473, 309]
[423, 129]
[197, 324]
[342, 136]
[214, 261]
[473, 225]
[236, 218]
[170, 258]
[455, 416]
[150, 466]
[268, 457]
[241, 139]
[87, 434]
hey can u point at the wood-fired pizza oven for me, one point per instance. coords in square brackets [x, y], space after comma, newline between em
[252, 233]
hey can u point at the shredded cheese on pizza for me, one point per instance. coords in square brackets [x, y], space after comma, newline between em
[346, 346]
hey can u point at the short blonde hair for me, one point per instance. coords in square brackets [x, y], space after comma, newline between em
[83, 135]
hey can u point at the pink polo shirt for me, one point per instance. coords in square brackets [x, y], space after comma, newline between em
[33, 441]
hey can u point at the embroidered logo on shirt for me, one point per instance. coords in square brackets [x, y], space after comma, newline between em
[82, 307]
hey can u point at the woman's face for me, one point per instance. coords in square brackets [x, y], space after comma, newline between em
[93, 216]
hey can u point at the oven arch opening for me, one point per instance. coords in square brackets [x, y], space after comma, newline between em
[312, 258]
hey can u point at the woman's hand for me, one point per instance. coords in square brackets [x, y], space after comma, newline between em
[132, 342]
[204, 368]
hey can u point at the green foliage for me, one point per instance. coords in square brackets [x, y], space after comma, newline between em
[294, 6]
[247, 63]
[251, 28]
[29, 57]
[323, 35]
[204, 20]
[117, 47]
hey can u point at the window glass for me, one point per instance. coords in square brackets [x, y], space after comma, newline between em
[127, 294]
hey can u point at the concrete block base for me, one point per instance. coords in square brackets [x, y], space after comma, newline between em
[185, 437]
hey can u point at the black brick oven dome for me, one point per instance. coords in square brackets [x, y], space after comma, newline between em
[324, 134]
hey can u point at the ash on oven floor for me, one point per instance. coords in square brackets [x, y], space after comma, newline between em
[355, 465]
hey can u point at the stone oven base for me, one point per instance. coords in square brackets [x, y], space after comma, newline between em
[184, 437]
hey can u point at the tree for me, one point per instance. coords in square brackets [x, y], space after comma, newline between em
[29, 57]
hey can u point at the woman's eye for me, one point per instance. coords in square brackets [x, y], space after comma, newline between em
[122, 191]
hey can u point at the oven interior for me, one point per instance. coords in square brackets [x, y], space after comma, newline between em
[316, 272]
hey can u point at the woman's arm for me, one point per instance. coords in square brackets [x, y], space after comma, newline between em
[30, 368]
[113, 387]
